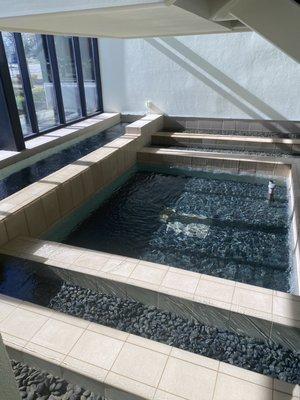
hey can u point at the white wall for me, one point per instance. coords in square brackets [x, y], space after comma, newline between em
[236, 75]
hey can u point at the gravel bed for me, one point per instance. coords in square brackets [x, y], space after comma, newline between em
[40, 385]
[264, 357]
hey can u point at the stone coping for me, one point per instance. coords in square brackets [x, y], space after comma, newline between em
[227, 304]
[41, 143]
[36, 208]
[237, 138]
[124, 366]
[160, 155]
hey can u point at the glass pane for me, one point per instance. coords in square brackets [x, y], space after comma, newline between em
[41, 79]
[88, 71]
[68, 76]
[16, 78]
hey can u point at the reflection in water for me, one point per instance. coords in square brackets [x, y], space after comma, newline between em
[42, 168]
[224, 228]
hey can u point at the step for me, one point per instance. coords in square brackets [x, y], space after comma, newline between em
[238, 307]
[227, 142]
[228, 162]
[119, 365]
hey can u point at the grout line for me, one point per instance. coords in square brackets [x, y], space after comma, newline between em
[216, 381]
[162, 373]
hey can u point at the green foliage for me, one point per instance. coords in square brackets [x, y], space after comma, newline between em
[39, 96]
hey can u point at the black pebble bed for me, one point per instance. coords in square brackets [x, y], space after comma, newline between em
[40, 385]
[244, 133]
[264, 357]
[194, 147]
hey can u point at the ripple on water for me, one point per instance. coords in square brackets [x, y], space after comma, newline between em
[224, 228]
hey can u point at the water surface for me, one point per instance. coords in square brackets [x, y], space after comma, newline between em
[219, 227]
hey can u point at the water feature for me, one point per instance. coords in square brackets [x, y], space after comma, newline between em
[18, 180]
[263, 356]
[212, 224]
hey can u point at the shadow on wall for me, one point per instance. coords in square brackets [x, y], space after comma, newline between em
[216, 79]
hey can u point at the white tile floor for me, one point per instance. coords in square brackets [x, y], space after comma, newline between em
[129, 363]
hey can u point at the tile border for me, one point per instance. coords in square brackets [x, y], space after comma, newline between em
[79, 130]
[245, 309]
[131, 384]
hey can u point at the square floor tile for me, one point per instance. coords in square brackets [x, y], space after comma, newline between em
[57, 336]
[181, 282]
[148, 274]
[97, 349]
[5, 310]
[215, 290]
[22, 323]
[188, 380]
[228, 387]
[252, 299]
[140, 364]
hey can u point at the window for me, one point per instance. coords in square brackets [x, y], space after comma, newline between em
[41, 79]
[68, 76]
[16, 77]
[89, 76]
[48, 82]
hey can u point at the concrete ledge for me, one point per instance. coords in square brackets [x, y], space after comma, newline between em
[119, 365]
[35, 209]
[233, 163]
[242, 308]
[226, 142]
[82, 130]
[244, 125]
[146, 125]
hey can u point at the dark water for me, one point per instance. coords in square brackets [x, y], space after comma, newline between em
[25, 280]
[223, 228]
[40, 169]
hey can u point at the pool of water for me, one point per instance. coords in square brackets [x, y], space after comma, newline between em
[208, 224]
[23, 279]
[52, 163]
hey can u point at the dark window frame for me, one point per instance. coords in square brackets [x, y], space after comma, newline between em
[51, 57]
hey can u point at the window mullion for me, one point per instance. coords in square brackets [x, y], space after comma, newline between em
[79, 72]
[26, 82]
[97, 73]
[56, 79]
[16, 129]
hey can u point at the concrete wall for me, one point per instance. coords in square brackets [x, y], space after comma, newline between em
[8, 387]
[236, 75]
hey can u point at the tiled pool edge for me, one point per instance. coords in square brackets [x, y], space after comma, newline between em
[35, 209]
[242, 308]
[42, 146]
[231, 163]
[227, 142]
[170, 373]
